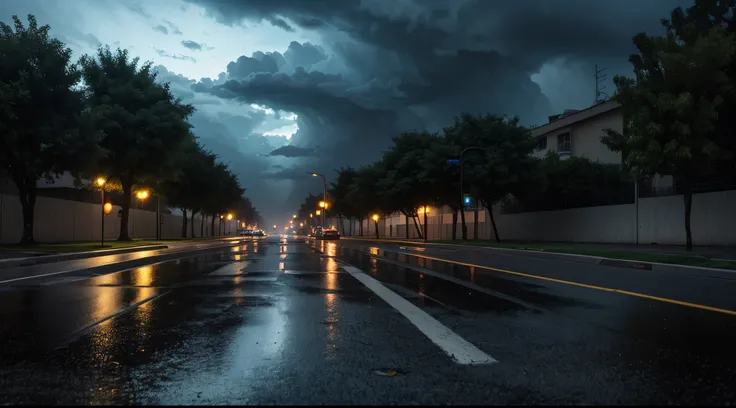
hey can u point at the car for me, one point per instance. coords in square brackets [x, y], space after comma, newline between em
[327, 233]
[246, 233]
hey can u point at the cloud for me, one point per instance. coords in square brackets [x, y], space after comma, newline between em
[174, 29]
[137, 9]
[161, 29]
[294, 151]
[181, 57]
[195, 46]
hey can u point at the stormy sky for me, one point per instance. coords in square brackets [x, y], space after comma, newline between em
[285, 87]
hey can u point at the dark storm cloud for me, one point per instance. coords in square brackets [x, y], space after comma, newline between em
[294, 151]
[304, 55]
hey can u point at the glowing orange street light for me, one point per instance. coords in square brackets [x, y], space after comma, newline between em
[318, 212]
[229, 217]
[107, 208]
[101, 181]
[142, 194]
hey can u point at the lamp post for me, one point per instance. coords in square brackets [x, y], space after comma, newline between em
[142, 195]
[324, 193]
[101, 181]
[229, 218]
[462, 200]
[375, 222]
[424, 210]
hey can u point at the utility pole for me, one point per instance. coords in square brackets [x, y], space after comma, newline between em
[600, 77]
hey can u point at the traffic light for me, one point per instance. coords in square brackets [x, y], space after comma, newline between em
[467, 200]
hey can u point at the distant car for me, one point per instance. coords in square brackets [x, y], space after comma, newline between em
[327, 233]
[246, 233]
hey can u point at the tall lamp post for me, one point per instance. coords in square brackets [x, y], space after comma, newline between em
[462, 198]
[324, 194]
[143, 195]
[229, 218]
[105, 208]
[424, 210]
[375, 222]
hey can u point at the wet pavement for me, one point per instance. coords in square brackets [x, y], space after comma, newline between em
[279, 321]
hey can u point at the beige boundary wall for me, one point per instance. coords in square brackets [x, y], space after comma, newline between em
[653, 220]
[66, 221]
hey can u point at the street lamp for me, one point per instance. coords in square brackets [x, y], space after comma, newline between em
[228, 225]
[101, 181]
[324, 192]
[375, 221]
[462, 200]
[424, 210]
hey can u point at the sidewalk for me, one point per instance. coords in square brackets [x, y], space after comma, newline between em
[11, 259]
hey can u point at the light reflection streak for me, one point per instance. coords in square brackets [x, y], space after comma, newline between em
[142, 276]
[282, 266]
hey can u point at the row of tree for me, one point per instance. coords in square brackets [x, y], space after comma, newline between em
[107, 115]
[423, 169]
[678, 115]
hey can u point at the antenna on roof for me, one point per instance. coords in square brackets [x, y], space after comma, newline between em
[600, 77]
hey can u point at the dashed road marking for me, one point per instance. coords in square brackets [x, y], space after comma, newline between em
[459, 349]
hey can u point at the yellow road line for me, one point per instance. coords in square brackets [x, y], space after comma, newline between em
[583, 285]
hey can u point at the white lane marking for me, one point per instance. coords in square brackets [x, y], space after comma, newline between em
[460, 350]
[261, 278]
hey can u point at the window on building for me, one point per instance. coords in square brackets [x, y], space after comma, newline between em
[563, 142]
[542, 143]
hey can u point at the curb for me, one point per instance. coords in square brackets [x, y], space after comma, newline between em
[640, 265]
[44, 259]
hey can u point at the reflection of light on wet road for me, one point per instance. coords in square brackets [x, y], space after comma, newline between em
[331, 265]
[331, 281]
[237, 257]
[282, 266]
[142, 276]
[282, 249]
[374, 251]
[330, 249]
[282, 256]
[107, 302]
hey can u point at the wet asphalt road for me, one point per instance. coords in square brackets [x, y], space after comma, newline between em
[284, 322]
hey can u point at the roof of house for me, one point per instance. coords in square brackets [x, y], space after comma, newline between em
[570, 117]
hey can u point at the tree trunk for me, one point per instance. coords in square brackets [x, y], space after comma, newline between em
[192, 223]
[184, 222]
[27, 196]
[125, 212]
[212, 226]
[406, 222]
[201, 226]
[416, 226]
[454, 225]
[493, 223]
[687, 194]
[361, 226]
[464, 227]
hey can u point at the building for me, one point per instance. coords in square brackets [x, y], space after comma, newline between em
[578, 133]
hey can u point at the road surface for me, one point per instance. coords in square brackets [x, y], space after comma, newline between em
[279, 321]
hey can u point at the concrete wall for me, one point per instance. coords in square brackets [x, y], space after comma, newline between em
[65, 221]
[660, 220]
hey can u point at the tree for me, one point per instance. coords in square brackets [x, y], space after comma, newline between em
[192, 186]
[339, 194]
[145, 127]
[505, 165]
[44, 128]
[671, 107]
[400, 184]
[363, 196]
[442, 176]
